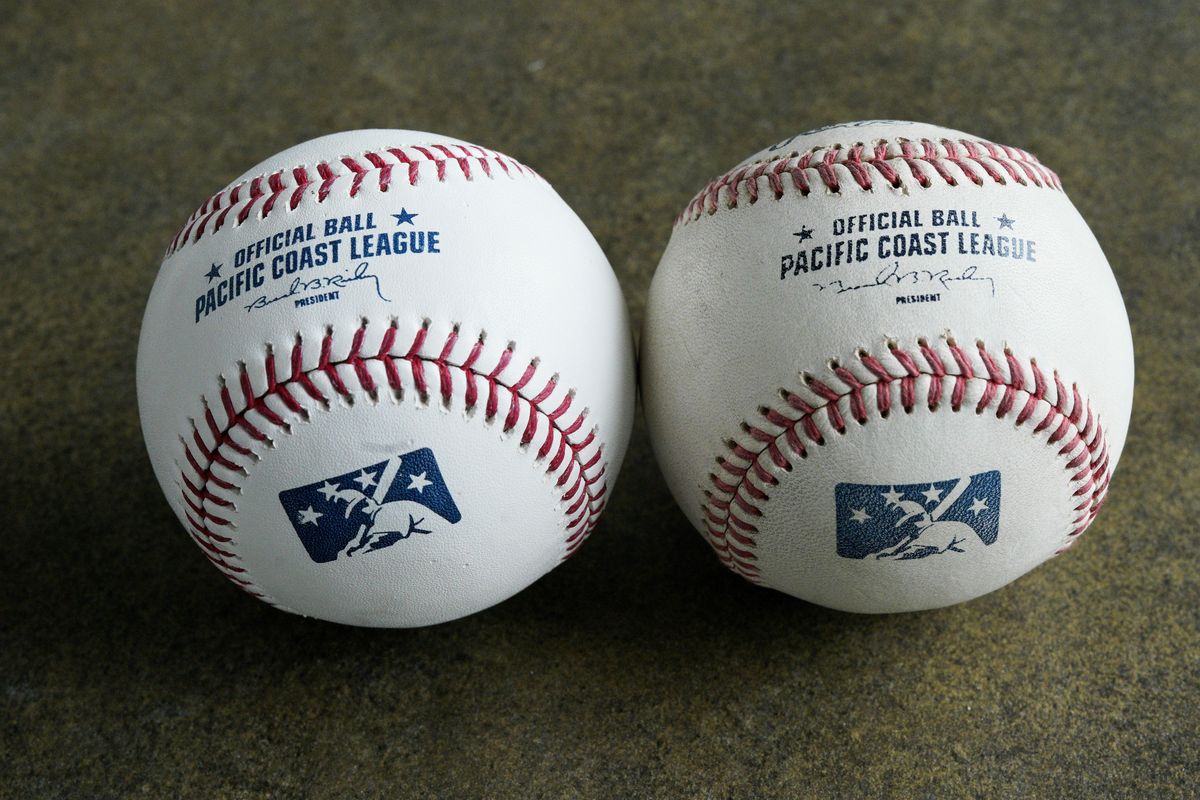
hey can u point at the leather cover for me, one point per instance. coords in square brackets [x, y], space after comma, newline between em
[886, 366]
[386, 378]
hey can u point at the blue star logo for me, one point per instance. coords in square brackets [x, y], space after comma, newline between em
[213, 272]
[404, 216]
[1005, 222]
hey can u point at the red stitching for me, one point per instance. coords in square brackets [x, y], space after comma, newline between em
[733, 502]
[583, 486]
[387, 164]
[946, 159]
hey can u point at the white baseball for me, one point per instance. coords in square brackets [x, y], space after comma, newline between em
[886, 366]
[386, 378]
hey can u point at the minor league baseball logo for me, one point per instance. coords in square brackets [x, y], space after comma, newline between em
[906, 521]
[371, 508]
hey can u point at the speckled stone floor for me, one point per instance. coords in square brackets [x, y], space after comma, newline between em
[641, 668]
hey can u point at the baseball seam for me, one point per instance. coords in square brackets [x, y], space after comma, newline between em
[927, 160]
[389, 166]
[221, 452]
[776, 438]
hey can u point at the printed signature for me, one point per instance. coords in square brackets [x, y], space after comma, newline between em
[298, 286]
[894, 276]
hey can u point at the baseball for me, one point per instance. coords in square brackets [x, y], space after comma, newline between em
[385, 378]
[886, 366]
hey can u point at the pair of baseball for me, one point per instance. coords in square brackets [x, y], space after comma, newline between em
[387, 378]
